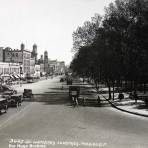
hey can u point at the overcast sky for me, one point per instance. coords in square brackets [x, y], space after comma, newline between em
[48, 23]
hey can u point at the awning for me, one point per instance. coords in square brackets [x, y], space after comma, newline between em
[12, 77]
[5, 75]
[18, 75]
[15, 76]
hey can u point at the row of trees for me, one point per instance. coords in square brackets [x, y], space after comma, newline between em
[114, 48]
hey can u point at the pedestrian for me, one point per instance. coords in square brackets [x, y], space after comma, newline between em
[135, 96]
[121, 96]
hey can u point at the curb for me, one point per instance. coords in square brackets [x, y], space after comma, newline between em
[123, 110]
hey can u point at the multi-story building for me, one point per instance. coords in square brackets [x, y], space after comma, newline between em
[32, 66]
[53, 66]
[37, 71]
[41, 63]
[42, 69]
[61, 67]
[22, 57]
[8, 70]
[26, 59]
[13, 56]
[28, 62]
[57, 67]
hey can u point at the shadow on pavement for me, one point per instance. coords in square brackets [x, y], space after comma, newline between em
[52, 98]
[59, 95]
[58, 89]
[141, 106]
[62, 98]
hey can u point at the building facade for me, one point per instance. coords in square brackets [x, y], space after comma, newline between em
[28, 62]
[57, 67]
[32, 66]
[61, 67]
[42, 69]
[37, 71]
[13, 56]
[22, 57]
[9, 69]
[53, 66]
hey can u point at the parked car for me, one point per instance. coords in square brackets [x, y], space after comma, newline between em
[10, 94]
[15, 100]
[30, 81]
[7, 90]
[3, 105]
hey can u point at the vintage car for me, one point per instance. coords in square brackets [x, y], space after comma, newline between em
[15, 100]
[3, 105]
[27, 93]
[7, 90]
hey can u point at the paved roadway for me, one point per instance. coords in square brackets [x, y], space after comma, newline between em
[58, 124]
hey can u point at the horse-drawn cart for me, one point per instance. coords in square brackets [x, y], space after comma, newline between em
[74, 92]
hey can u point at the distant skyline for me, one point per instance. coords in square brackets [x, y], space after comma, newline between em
[47, 23]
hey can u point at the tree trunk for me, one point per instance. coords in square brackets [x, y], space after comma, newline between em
[113, 90]
[97, 85]
[109, 90]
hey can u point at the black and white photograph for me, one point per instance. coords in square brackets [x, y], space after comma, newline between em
[73, 73]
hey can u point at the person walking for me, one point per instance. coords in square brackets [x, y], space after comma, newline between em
[135, 96]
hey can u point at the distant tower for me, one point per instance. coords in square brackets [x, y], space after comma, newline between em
[34, 52]
[46, 61]
[41, 59]
[22, 46]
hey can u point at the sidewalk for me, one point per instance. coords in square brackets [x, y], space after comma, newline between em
[130, 106]
[125, 105]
